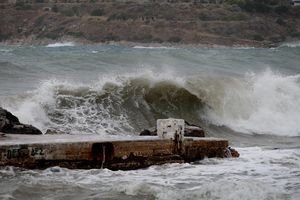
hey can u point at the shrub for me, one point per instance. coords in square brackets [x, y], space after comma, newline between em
[280, 21]
[174, 39]
[51, 35]
[118, 16]
[143, 37]
[252, 6]
[76, 34]
[158, 40]
[275, 2]
[237, 2]
[282, 9]
[4, 37]
[74, 11]
[147, 38]
[204, 16]
[295, 10]
[111, 37]
[295, 34]
[264, 6]
[97, 12]
[258, 37]
[235, 17]
[22, 6]
[39, 21]
[54, 8]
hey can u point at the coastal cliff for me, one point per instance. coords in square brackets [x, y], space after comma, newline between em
[229, 23]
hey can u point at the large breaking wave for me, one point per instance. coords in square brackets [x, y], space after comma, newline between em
[265, 103]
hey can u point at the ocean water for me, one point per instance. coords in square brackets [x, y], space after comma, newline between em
[251, 96]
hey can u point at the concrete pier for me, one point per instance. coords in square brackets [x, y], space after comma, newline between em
[92, 151]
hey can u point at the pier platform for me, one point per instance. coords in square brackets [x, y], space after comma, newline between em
[94, 151]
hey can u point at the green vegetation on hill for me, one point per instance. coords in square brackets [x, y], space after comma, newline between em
[233, 22]
[262, 6]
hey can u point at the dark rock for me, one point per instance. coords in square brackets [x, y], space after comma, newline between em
[193, 131]
[53, 132]
[190, 130]
[234, 153]
[231, 153]
[11, 124]
[149, 133]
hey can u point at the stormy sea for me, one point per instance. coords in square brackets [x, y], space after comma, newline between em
[250, 96]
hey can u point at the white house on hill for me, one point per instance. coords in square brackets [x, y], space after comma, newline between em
[296, 2]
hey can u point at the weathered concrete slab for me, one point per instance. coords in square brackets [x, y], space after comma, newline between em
[92, 151]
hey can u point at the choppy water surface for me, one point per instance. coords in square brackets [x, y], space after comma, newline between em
[250, 96]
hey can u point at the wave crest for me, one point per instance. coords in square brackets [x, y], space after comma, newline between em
[294, 44]
[266, 103]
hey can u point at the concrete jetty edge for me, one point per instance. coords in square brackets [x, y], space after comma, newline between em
[92, 151]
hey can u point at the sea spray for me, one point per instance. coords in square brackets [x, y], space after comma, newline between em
[264, 103]
[61, 44]
[217, 88]
[259, 174]
[294, 44]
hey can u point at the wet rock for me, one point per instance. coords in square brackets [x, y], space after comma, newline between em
[193, 131]
[10, 124]
[189, 131]
[231, 153]
[234, 153]
[148, 132]
[53, 132]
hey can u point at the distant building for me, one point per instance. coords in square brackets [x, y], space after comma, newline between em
[296, 2]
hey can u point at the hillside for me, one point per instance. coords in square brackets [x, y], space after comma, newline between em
[175, 22]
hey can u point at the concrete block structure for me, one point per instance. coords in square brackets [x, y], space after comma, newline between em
[91, 151]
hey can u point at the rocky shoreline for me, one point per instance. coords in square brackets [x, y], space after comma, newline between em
[148, 23]
[76, 41]
[79, 41]
[11, 124]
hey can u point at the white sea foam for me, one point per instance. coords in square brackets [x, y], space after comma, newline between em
[61, 44]
[67, 107]
[6, 50]
[244, 47]
[258, 174]
[266, 103]
[29, 106]
[152, 47]
[291, 44]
